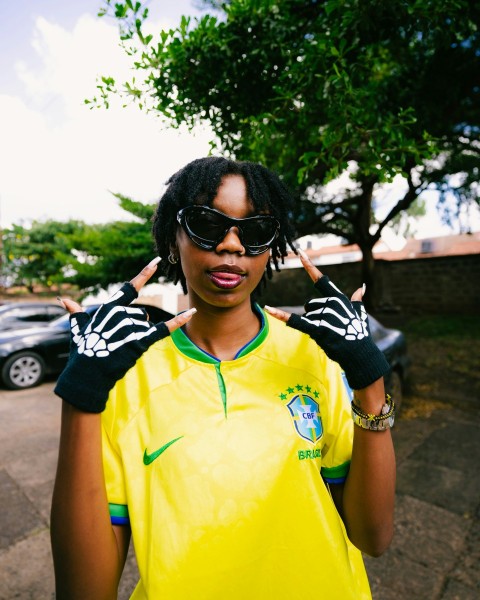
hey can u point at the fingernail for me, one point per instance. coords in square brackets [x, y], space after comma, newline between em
[154, 262]
[269, 308]
[191, 311]
[364, 287]
[61, 302]
[303, 254]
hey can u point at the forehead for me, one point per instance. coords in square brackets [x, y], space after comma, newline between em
[232, 197]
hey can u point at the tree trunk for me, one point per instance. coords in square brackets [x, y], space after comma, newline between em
[368, 278]
[366, 241]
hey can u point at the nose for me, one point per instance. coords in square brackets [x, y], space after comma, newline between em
[231, 242]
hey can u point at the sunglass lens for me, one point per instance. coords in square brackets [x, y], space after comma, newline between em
[205, 225]
[259, 232]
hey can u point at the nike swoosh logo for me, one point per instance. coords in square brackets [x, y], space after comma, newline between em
[149, 458]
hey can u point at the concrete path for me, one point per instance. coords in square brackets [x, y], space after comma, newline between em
[435, 554]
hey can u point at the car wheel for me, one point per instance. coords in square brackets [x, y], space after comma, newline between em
[395, 389]
[23, 370]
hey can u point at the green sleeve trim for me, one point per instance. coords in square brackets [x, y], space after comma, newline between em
[338, 472]
[118, 510]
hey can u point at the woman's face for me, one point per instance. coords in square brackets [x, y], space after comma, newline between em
[226, 276]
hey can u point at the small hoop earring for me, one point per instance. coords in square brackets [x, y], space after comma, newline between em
[172, 259]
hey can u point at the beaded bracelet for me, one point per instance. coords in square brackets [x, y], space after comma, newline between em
[375, 422]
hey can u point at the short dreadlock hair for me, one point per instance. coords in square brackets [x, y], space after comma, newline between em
[198, 183]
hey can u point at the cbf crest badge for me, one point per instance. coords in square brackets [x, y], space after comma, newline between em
[306, 417]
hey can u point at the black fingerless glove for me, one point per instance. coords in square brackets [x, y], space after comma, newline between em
[103, 348]
[340, 328]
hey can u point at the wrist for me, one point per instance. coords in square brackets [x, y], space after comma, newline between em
[371, 399]
[373, 421]
[364, 364]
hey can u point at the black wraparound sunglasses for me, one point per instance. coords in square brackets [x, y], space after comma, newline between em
[207, 227]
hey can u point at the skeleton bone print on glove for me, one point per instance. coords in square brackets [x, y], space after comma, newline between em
[104, 348]
[100, 340]
[338, 314]
[340, 328]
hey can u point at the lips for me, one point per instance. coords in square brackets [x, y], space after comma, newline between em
[226, 277]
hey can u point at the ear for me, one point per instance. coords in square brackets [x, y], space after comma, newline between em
[174, 255]
[173, 248]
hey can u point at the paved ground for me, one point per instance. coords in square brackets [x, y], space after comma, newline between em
[435, 554]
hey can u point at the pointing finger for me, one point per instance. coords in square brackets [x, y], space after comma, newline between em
[281, 315]
[141, 279]
[309, 267]
[180, 319]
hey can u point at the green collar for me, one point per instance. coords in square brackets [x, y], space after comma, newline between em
[187, 347]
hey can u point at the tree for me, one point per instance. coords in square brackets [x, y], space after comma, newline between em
[38, 255]
[110, 253]
[87, 256]
[317, 88]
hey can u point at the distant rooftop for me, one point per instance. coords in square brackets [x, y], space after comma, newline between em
[447, 245]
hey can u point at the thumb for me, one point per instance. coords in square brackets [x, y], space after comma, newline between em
[357, 295]
[281, 315]
[70, 305]
[180, 320]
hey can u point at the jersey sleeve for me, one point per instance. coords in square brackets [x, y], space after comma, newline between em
[337, 450]
[124, 403]
[113, 473]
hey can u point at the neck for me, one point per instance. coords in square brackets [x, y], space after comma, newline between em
[223, 331]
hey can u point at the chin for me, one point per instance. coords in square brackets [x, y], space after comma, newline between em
[222, 298]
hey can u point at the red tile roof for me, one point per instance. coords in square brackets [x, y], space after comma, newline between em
[448, 245]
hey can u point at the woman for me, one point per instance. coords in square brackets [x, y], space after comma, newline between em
[227, 445]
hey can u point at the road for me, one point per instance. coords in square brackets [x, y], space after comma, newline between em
[435, 554]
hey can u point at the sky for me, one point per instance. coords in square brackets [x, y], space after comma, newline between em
[59, 159]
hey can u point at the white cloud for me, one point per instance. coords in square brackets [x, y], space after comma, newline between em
[58, 159]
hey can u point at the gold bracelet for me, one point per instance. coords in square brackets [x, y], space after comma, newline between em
[375, 422]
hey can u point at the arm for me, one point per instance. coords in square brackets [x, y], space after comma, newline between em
[88, 553]
[340, 327]
[88, 557]
[366, 499]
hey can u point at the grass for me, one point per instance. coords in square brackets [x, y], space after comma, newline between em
[444, 370]
[448, 327]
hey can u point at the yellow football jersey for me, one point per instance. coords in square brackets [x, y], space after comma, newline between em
[221, 470]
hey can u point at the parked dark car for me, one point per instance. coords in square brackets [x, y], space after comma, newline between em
[28, 355]
[393, 345]
[20, 315]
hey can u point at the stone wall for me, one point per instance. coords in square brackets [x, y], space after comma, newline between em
[439, 285]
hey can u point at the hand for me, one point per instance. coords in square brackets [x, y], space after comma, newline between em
[340, 328]
[104, 347]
